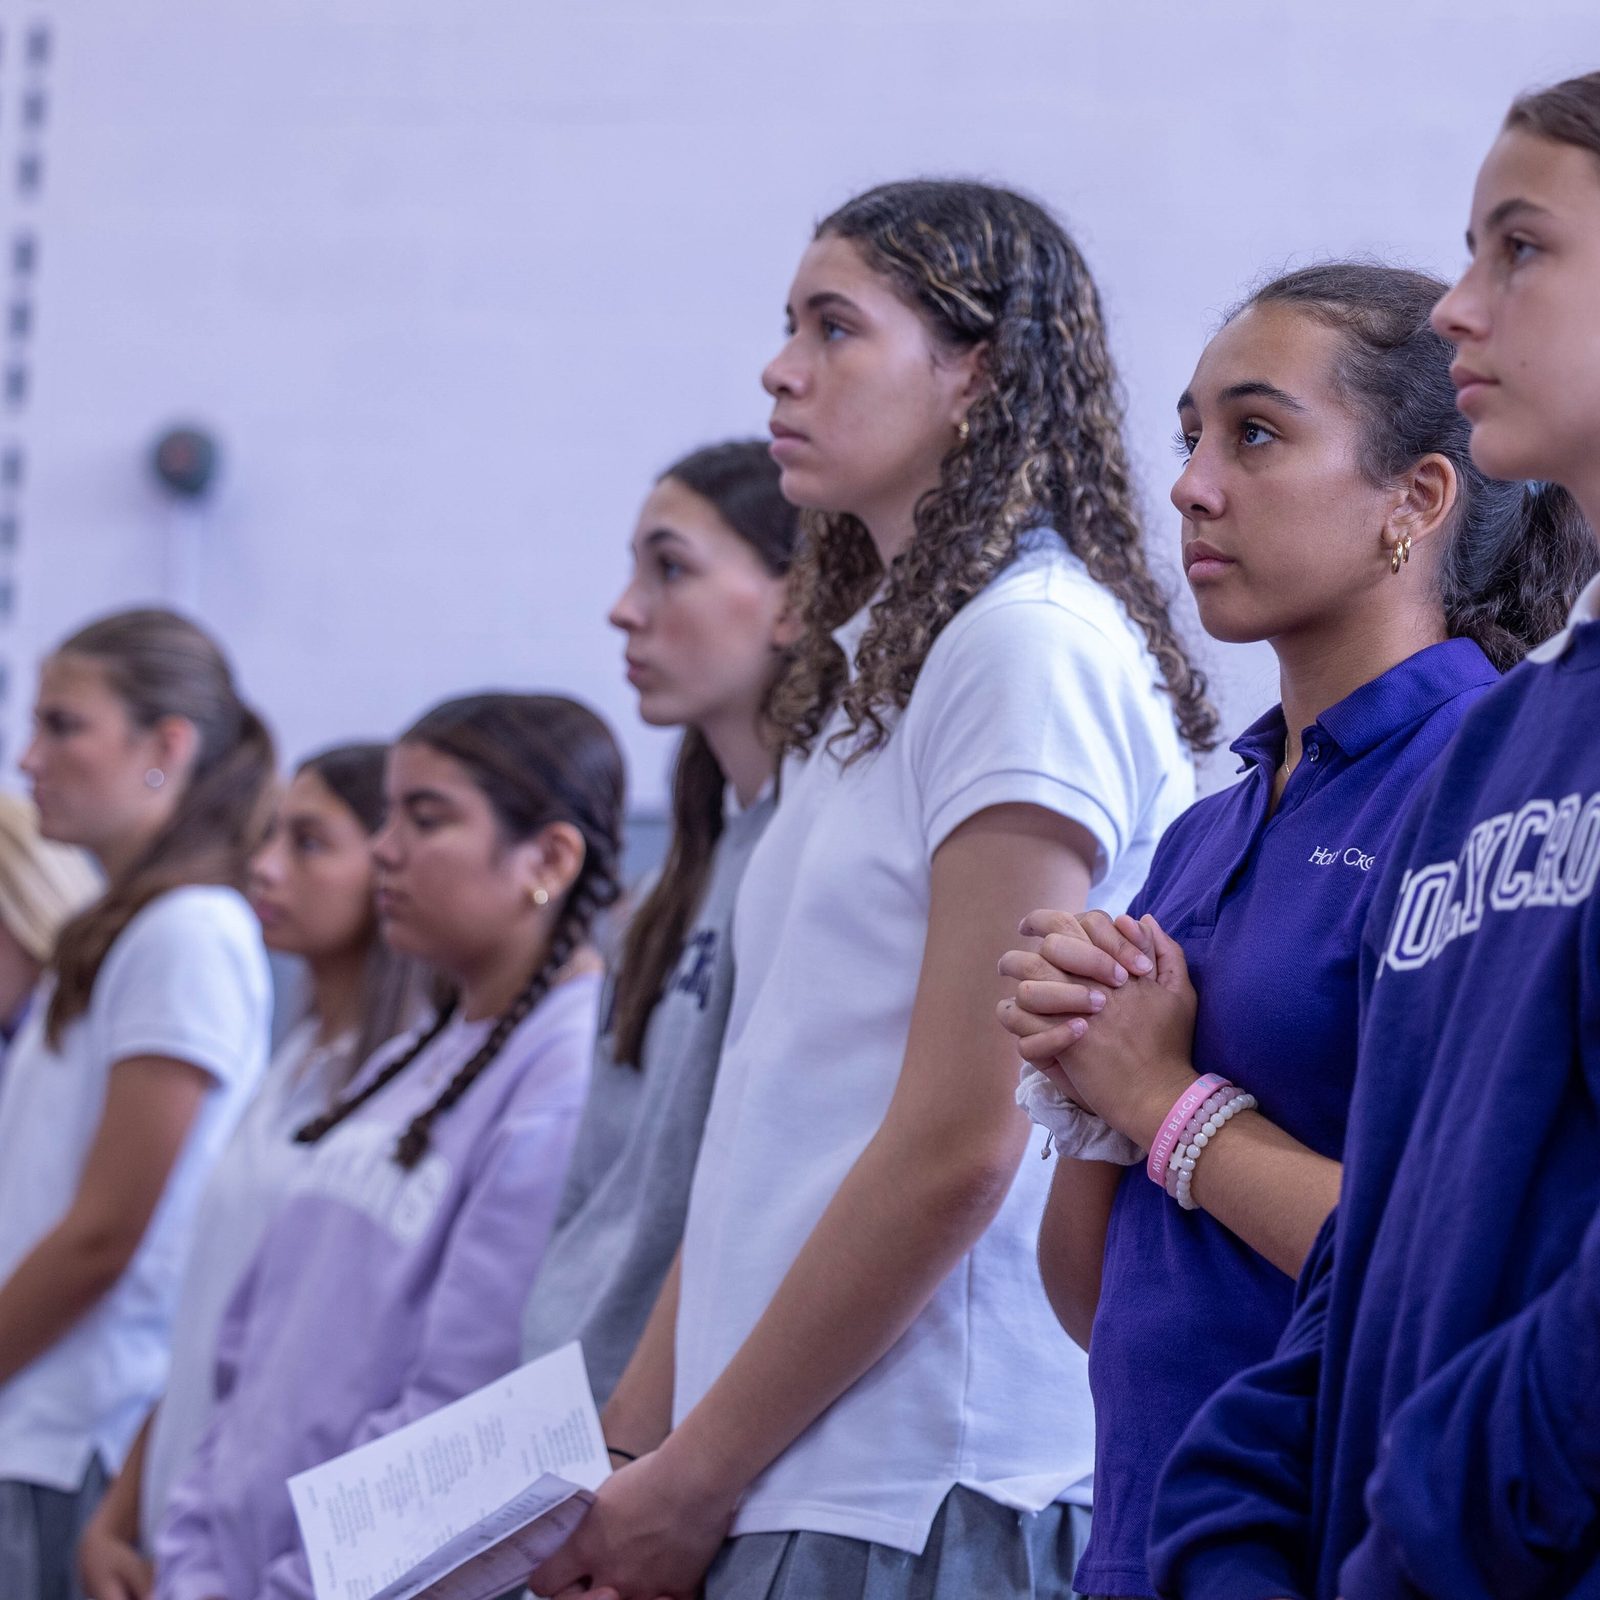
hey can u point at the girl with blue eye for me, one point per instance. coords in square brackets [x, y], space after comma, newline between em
[1202, 1048]
[854, 1386]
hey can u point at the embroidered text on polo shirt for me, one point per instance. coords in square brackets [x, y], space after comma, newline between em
[1322, 856]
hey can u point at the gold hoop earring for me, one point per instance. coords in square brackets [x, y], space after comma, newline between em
[963, 430]
[1400, 555]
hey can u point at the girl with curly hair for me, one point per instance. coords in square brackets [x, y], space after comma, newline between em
[856, 1373]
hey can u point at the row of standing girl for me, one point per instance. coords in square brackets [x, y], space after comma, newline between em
[845, 1389]
[362, 1245]
[828, 1363]
[132, 1125]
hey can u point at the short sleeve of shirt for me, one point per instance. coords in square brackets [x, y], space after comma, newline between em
[187, 979]
[1034, 703]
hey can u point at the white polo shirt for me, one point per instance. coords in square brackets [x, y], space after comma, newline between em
[1038, 692]
[187, 979]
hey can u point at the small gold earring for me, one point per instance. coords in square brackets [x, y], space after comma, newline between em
[963, 430]
[1400, 555]
[540, 896]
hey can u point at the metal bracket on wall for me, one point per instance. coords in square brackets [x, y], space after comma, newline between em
[26, 50]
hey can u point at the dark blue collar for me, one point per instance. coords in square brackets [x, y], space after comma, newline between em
[1407, 692]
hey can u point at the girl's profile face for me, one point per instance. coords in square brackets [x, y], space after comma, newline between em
[451, 888]
[87, 761]
[1281, 530]
[703, 616]
[1525, 316]
[865, 405]
[311, 883]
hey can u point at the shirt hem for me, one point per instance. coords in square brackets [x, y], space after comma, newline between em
[901, 1533]
[1127, 1583]
[49, 1471]
[217, 1058]
[808, 1516]
[1018, 786]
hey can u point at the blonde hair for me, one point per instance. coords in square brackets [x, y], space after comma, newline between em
[42, 884]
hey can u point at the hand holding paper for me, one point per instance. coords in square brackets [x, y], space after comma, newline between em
[463, 1503]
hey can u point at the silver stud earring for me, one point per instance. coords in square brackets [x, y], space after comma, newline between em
[154, 778]
[540, 896]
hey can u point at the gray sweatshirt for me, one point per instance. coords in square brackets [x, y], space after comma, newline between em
[621, 1216]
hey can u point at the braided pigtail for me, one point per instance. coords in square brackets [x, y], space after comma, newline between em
[570, 933]
[320, 1127]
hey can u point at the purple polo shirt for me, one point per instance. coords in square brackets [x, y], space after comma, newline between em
[1269, 911]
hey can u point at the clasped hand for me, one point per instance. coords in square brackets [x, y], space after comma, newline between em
[1105, 1007]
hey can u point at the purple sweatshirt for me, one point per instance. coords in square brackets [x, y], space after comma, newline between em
[379, 1295]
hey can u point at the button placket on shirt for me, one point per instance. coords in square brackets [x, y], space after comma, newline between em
[1203, 921]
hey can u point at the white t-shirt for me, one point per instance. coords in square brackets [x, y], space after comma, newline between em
[245, 1188]
[187, 979]
[1037, 692]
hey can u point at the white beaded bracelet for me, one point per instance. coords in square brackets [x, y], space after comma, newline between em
[1208, 1108]
[1187, 1158]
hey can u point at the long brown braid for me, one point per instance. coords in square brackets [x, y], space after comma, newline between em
[981, 265]
[537, 759]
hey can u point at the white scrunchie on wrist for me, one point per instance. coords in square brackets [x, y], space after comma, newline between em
[1077, 1133]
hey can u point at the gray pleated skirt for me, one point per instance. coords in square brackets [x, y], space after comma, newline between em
[976, 1547]
[39, 1532]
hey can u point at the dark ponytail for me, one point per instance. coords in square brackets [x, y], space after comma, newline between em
[537, 759]
[1510, 575]
[740, 481]
[1518, 554]
[162, 665]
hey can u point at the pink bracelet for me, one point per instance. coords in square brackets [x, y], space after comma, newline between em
[1214, 1102]
[1185, 1107]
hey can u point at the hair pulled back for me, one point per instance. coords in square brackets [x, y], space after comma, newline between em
[982, 265]
[1568, 113]
[392, 985]
[159, 665]
[537, 759]
[740, 481]
[1517, 554]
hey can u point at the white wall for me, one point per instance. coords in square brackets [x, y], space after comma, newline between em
[453, 279]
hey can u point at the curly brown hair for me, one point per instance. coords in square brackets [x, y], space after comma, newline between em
[980, 265]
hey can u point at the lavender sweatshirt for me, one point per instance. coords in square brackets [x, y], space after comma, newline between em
[379, 1295]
